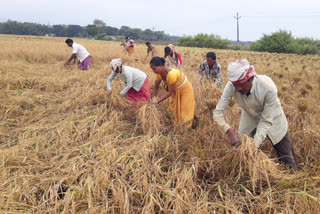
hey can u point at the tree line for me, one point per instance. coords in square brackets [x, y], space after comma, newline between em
[277, 42]
[98, 30]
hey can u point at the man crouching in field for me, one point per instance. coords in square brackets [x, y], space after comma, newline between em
[80, 52]
[262, 115]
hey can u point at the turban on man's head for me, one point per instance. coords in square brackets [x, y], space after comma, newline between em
[240, 71]
[115, 63]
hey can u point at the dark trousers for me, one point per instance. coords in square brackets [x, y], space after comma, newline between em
[284, 150]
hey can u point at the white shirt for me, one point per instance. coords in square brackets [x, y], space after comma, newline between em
[80, 51]
[131, 76]
[174, 59]
[261, 110]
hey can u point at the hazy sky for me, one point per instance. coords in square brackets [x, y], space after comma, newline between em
[301, 17]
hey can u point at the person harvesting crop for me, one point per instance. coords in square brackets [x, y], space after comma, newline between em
[262, 115]
[179, 91]
[151, 49]
[137, 84]
[131, 47]
[212, 70]
[173, 56]
[80, 52]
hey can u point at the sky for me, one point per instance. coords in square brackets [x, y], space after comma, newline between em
[176, 17]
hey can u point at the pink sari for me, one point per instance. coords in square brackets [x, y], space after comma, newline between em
[143, 95]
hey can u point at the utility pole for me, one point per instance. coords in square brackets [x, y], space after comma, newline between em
[237, 18]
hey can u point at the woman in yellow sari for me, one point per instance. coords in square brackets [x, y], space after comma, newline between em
[179, 91]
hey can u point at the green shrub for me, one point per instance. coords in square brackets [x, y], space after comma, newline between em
[106, 38]
[103, 37]
[283, 42]
[204, 41]
[236, 47]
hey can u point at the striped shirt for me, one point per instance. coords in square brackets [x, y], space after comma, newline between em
[213, 73]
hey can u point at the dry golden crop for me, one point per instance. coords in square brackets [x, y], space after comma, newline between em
[68, 147]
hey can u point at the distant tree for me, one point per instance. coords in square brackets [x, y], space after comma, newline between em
[59, 30]
[136, 33]
[92, 30]
[148, 34]
[124, 31]
[75, 31]
[112, 31]
[100, 25]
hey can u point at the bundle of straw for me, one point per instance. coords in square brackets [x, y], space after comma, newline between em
[151, 119]
[248, 163]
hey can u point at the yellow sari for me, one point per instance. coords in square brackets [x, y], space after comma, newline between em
[181, 104]
[130, 50]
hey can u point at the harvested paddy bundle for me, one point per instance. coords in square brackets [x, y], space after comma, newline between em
[119, 101]
[211, 104]
[151, 119]
[248, 164]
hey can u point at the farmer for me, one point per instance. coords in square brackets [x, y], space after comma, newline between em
[137, 84]
[128, 45]
[179, 91]
[262, 115]
[151, 49]
[80, 52]
[125, 43]
[212, 69]
[131, 47]
[173, 56]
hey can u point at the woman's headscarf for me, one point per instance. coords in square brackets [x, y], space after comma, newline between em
[131, 41]
[240, 71]
[171, 46]
[115, 63]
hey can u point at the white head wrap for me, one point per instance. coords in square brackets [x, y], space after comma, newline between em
[131, 41]
[171, 46]
[115, 63]
[239, 71]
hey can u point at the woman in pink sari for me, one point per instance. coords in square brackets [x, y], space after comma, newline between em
[137, 84]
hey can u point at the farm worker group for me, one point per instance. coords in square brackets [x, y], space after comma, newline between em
[262, 116]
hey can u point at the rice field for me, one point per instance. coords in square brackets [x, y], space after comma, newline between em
[66, 146]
